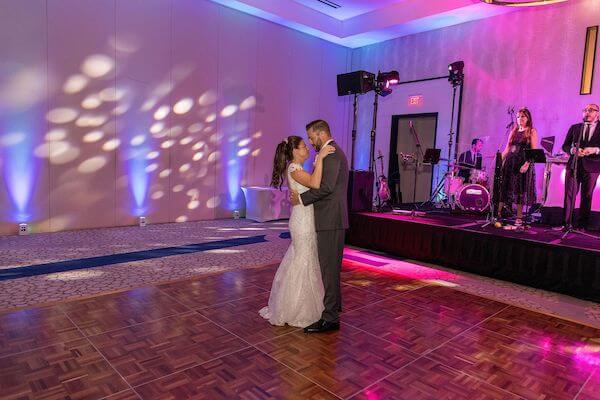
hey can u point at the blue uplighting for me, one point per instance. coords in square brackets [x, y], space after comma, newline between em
[361, 156]
[138, 179]
[20, 169]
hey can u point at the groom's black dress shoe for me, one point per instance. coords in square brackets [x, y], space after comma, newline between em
[322, 326]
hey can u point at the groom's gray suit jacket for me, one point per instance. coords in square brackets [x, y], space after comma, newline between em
[330, 200]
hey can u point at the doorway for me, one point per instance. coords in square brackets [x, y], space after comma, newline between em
[405, 185]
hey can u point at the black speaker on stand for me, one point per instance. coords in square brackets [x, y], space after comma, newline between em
[360, 185]
[357, 82]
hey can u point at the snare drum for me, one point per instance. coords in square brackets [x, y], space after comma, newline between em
[452, 184]
[473, 197]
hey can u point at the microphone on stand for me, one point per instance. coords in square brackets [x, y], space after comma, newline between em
[510, 111]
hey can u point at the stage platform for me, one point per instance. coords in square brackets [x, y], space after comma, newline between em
[534, 257]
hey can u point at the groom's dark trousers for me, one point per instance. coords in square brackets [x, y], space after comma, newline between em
[330, 244]
[331, 222]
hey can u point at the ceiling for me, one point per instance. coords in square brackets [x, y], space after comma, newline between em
[357, 23]
[348, 8]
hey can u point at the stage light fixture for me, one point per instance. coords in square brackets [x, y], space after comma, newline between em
[142, 222]
[456, 74]
[384, 81]
[522, 3]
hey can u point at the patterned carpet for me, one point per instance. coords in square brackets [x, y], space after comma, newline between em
[85, 247]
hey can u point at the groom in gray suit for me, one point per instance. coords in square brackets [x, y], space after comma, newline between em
[331, 222]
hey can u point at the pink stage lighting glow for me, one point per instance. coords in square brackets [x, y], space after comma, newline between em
[400, 268]
[588, 354]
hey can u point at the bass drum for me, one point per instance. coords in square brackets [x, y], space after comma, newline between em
[473, 197]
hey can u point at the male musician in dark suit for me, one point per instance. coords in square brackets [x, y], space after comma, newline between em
[588, 164]
[470, 159]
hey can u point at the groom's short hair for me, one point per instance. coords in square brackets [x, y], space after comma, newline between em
[318, 125]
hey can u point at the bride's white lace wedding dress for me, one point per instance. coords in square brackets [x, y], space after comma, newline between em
[297, 292]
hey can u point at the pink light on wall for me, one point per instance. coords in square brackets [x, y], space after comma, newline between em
[563, 177]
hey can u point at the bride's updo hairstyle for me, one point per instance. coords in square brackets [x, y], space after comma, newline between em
[283, 155]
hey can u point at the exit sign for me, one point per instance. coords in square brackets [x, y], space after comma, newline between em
[415, 100]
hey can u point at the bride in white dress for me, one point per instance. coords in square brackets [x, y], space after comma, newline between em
[297, 292]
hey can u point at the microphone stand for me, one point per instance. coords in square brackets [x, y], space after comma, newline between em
[451, 134]
[418, 153]
[496, 187]
[450, 170]
[510, 111]
[373, 133]
[569, 227]
[354, 124]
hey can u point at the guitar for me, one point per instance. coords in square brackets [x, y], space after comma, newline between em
[384, 189]
[407, 158]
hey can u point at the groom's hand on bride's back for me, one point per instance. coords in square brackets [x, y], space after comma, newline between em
[294, 197]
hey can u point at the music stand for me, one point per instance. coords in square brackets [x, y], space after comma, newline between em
[532, 156]
[547, 144]
[478, 162]
[535, 156]
[432, 156]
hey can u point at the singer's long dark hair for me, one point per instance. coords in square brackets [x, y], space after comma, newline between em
[528, 126]
[283, 155]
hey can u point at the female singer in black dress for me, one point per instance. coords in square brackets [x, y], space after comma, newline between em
[517, 185]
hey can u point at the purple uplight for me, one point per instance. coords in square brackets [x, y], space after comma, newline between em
[20, 170]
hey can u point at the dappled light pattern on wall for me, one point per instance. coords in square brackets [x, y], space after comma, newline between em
[155, 109]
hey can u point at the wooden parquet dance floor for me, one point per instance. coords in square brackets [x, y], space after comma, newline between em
[203, 339]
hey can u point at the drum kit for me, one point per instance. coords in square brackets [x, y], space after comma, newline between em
[472, 195]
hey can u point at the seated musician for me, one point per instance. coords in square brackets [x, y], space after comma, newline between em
[470, 159]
